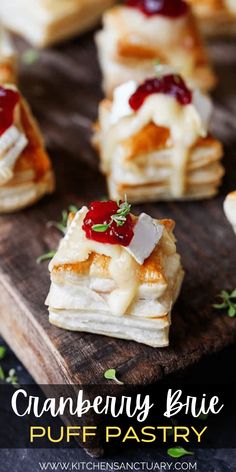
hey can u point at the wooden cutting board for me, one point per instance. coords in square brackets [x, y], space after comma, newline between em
[63, 88]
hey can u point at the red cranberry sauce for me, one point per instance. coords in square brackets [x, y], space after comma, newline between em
[100, 213]
[8, 100]
[171, 84]
[169, 8]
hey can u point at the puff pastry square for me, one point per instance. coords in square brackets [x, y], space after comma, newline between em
[163, 151]
[46, 22]
[131, 44]
[217, 17]
[25, 169]
[7, 58]
[101, 288]
[230, 209]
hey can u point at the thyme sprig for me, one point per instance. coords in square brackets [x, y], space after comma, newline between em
[62, 224]
[45, 257]
[62, 227]
[228, 302]
[119, 217]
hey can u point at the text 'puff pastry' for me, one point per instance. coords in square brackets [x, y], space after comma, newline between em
[25, 169]
[217, 17]
[132, 43]
[7, 59]
[46, 22]
[116, 274]
[230, 209]
[154, 143]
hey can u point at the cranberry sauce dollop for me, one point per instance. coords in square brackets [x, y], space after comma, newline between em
[100, 213]
[8, 100]
[171, 84]
[169, 8]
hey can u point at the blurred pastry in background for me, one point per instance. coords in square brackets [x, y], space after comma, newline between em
[140, 34]
[46, 22]
[217, 17]
[7, 58]
[25, 169]
[230, 209]
[154, 143]
[116, 274]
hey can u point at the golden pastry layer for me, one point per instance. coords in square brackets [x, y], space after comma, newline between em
[46, 22]
[7, 59]
[217, 17]
[130, 45]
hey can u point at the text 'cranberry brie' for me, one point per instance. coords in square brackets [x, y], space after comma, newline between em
[116, 274]
[25, 169]
[154, 142]
[140, 34]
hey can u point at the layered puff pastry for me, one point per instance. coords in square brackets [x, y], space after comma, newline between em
[46, 22]
[230, 209]
[217, 17]
[116, 275]
[7, 58]
[132, 43]
[25, 169]
[154, 143]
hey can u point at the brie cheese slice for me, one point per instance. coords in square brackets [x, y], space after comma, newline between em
[147, 234]
[12, 143]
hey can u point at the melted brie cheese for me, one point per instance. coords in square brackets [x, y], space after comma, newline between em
[75, 247]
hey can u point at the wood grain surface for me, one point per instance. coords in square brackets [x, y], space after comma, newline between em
[63, 88]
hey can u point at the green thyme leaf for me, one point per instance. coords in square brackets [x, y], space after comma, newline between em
[2, 375]
[177, 452]
[110, 374]
[228, 302]
[62, 224]
[30, 56]
[2, 352]
[45, 257]
[232, 311]
[100, 228]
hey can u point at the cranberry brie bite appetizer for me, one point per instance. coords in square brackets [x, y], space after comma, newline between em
[46, 22]
[25, 168]
[7, 59]
[217, 17]
[230, 209]
[116, 274]
[154, 143]
[142, 33]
